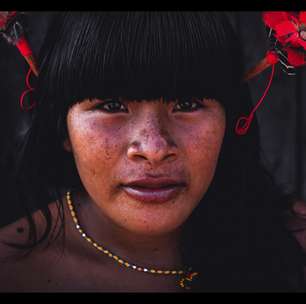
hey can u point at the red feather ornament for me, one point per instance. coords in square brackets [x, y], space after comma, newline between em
[287, 34]
[12, 30]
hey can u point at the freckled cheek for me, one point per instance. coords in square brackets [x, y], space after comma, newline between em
[95, 148]
[203, 152]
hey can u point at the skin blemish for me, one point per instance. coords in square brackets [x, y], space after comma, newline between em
[20, 229]
[107, 149]
[93, 171]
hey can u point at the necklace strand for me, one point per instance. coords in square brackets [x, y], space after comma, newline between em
[185, 275]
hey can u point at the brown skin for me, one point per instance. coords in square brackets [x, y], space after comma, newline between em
[104, 147]
[113, 148]
[151, 138]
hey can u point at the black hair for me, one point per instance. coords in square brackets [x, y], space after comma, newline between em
[236, 237]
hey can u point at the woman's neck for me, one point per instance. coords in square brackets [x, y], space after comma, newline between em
[142, 250]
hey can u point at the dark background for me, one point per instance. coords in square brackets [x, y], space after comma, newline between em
[281, 116]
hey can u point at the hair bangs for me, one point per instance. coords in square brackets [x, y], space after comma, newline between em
[139, 56]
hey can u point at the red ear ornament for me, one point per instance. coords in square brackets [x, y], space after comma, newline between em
[12, 30]
[287, 35]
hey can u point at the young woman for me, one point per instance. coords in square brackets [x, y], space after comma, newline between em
[132, 164]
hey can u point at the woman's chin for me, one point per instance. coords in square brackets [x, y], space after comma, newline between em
[152, 230]
[152, 222]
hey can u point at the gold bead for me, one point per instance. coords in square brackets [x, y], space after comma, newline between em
[159, 271]
[167, 272]
[174, 272]
[115, 257]
[120, 261]
[127, 264]
[153, 271]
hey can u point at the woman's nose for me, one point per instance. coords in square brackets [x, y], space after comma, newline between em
[153, 142]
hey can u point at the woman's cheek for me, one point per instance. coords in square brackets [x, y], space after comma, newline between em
[203, 152]
[95, 149]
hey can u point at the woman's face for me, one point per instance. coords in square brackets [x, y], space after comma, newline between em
[151, 144]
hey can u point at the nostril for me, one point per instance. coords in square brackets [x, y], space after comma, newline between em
[151, 150]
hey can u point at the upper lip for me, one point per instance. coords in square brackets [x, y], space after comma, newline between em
[155, 182]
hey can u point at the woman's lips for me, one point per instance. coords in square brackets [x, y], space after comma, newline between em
[153, 195]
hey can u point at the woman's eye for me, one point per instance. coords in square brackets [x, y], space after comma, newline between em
[187, 105]
[111, 106]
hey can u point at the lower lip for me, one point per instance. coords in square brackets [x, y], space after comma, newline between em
[156, 195]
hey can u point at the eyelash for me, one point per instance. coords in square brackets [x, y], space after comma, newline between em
[101, 106]
[197, 103]
[112, 102]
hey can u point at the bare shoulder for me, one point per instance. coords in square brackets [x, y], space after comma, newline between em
[18, 231]
[14, 232]
[10, 257]
[14, 264]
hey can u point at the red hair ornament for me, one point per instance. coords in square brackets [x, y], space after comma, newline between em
[12, 30]
[287, 34]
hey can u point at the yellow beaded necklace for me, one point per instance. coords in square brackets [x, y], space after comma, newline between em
[185, 276]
